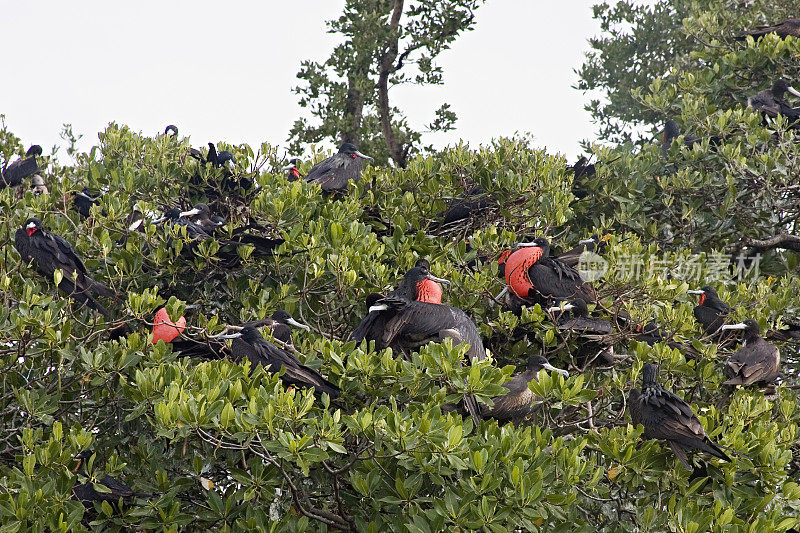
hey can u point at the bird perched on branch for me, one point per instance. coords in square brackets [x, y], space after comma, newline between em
[757, 361]
[334, 173]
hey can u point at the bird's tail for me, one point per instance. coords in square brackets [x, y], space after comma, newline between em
[360, 333]
[714, 449]
[472, 408]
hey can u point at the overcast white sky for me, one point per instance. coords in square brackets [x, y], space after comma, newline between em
[225, 70]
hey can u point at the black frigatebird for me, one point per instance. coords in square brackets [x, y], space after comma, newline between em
[334, 173]
[574, 317]
[372, 325]
[84, 201]
[13, 174]
[771, 103]
[757, 361]
[672, 131]
[411, 324]
[519, 402]
[280, 323]
[711, 312]
[581, 170]
[201, 215]
[532, 275]
[251, 344]
[783, 29]
[52, 252]
[473, 202]
[595, 244]
[666, 416]
[87, 494]
[171, 129]
[293, 172]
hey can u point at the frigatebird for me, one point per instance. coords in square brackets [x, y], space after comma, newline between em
[280, 323]
[757, 361]
[251, 344]
[164, 328]
[532, 275]
[519, 402]
[86, 492]
[38, 185]
[173, 129]
[771, 103]
[595, 332]
[594, 244]
[201, 215]
[13, 174]
[418, 285]
[334, 173]
[294, 173]
[52, 252]
[84, 201]
[783, 29]
[666, 416]
[672, 131]
[471, 203]
[581, 169]
[711, 312]
[652, 334]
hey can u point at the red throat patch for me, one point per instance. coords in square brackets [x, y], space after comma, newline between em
[517, 265]
[31, 231]
[165, 329]
[294, 172]
[702, 298]
[429, 291]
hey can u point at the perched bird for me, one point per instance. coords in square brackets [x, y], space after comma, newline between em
[219, 159]
[52, 252]
[294, 173]
[783, 29]
[594, 244]
[771, 103]
[594, 332]
[334, 173]
[519, 402]
[280, 323]
[13, 174]
[672, 131]
[652, 334]
[372, 325]
[471, 203]
[176, 217]
[38, 185]
[84, 201]
[757, 361]
[419, 284]
[251, 344]
[87, 494]
[172, 129]
[666, 416]
[711, 312]
[532, 275]
[201, 215]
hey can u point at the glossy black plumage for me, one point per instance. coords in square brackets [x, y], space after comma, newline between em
[783, 29]
[594, 244]
[52, 252]
[87, 494]
[280, 324]
[582, 171]
[757, 361]
[334, 173]
[84, 201]
[252, 345]
[771, 101]
[652, 334]
[711, 312]
[576, 318]
[672, 131]
[552, 278]
[172, 130]
[520, 400]
[666, 416]
[22, 168]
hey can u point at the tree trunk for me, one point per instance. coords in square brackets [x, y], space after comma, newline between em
[353, 110]
[386, 68]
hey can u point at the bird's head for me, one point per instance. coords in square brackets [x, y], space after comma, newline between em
[32, 225]
[351, 150]
[537, 362]
[283, 317]
[172, 129]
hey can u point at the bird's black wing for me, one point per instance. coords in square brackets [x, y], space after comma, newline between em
[335, 172]
[296, 373]
[17, 171]
[22, 244]
[555, 279]
[765, 102]
[709, 318]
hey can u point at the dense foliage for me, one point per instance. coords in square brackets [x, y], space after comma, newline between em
[219, 445]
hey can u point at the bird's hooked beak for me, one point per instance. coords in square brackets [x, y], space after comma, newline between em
[740, 325]
[190, 213]
[295, 323]
[793, 91]
[525, 244]
[586, 241]
[694, 291]
[438, 280]
[558, 308]
[191, 306]
[230, 335]
[159, 220]
[290, 166]
[359, 154]
[379, 307]
[551, 368]
[501, 293]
